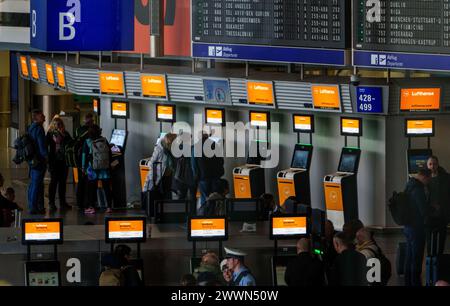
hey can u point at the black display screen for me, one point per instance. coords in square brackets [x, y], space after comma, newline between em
[300, 159]
[348, 163]
[406, 25]
[298, 23]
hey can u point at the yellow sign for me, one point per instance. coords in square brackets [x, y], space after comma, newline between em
[420, 99]
[242, 189]
[119, 109]
[351, 126]
[418, 127]
[34, 69]
[111, 83]
[214, 116]
[326, 97]
[333, 196]
[154, 86]
[260, 93]
[49, 72]
[302, 123]
[165, 112]
[24, 66]
[61, 77]
[259, 119]
[286, 189]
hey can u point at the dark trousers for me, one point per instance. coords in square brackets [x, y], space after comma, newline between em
[415, 247]
[92, 187]
[436, 240]
[81, 189]
[36, 189]
[58, 180]
[206, 188]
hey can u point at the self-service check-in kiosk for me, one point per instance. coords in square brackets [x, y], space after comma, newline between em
[295, 180]
[119, 110]
[119, 230]
[249, 179]
[417, 158]
[341, 190]
[42, 232]
[165, 113]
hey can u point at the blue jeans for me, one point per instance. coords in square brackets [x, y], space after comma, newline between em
[36, 189]
[415, 247]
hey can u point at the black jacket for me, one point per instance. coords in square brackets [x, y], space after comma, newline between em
[205, 168]
[440, 195]
[55, 155]
[305, 270]
[418, 202]
[349, 269]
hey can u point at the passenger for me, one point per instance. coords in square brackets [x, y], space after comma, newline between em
[289, 205]
[366, 245]
[349, 268]
[305, 270]
[7, 205]
[207, 170]
[112, 273]
[38, 166]
[437, 222]
[215, 204]
[329, 252]
[241, 274]
[57, 139]
[97, 168]
[188, 280]
[129, 273]
[162, 167]
[415, 231]
[268, 205]
[209, 270]
[227, 274]
[183, 183]
[81, 134]
[350, 228]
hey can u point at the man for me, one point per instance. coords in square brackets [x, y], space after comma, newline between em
[304, 270]
[81, 134]
[7, 205]
[241, 274]
[365, 244]
[437, 222]
[350, 266]
[39, 164]
[215, 203]
[415, 230]
[209, 269]
[207, 170]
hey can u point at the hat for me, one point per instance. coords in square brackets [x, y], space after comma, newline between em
[223, 264]
[234, 253]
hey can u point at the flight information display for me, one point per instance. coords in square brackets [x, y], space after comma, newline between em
[403, 25]
[296, 23]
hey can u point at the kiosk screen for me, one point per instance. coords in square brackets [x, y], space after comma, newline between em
[417, 162]
[48, 231]
[125, 229]
[300, 159]
[288, 226]
[118, 138]
[42, 273]
[348, 163]
[207, 229]
[36, 279]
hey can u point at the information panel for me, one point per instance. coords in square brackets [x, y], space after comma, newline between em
[207, 229]
[112, 83]
[298, 23]
[326, 97]
[288, 226]
[50, 75]
[61, 77]
[303, 123]
[351, 126]
[34, 69]
[24, 67]
[419, 127]
[421, 26]
[45, 231]
[369, 99]
[259, 119]
[420, 99]
[260, 93]
[154, 86]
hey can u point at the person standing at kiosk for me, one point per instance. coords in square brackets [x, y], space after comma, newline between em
[437, 222]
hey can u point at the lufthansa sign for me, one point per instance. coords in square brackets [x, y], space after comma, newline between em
[82, 25]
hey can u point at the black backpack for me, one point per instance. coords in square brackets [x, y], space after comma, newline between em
[386, 267]
[73, 151]
[183, 171]
[399, 208]
[25, 149]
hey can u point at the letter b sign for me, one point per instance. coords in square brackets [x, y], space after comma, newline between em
[33, 23]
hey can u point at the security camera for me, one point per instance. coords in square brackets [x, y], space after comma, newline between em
[355, 80]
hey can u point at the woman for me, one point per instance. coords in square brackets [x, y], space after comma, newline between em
[96, 165]
[57, 139]
[162, 167]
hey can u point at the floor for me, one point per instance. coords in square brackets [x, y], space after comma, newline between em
[168, 246]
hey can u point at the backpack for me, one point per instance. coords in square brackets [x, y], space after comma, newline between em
[100, 154]
[399, 208]
[183, 172]
[25, 149]
[111, 277]
[386, 266]
[73, 151]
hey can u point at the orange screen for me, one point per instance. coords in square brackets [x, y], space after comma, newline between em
[260, 93]
[420, 99]
[419, 127]
[326, 97]
[50, 76]
[24, 66]
[111, 83]
[42, 230]
[34, 69]
[259, 119]
[207, 227]
[302, 123]
[214, 116]
[119, 109]
[164, 112]
[154, 86]
[61, 78]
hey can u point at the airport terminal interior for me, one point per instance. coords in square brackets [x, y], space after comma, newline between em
[321, 110]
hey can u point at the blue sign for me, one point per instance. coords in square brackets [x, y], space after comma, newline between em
[396, 60]
[217, 91]
[270, 54]
[82, 25]
[369, 99]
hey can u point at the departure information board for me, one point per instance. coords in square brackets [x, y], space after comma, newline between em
[296, 23]
[421, 26]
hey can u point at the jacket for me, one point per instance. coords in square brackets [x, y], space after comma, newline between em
[246, 280]
[37, 133]
[160, 163]
[418, 201]
[439, 188]
[207, 168]
[349, 269]
[305, 270]
[369, 249]
[207, 272]
[56, 151]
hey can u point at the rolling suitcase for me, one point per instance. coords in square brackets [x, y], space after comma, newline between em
[432, 260]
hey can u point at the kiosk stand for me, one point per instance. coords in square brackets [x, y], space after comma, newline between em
[341, 190]
[127, 230]
[295, 180]
[249, 179]
[417, 158]
[119, 110]
[206, 229]
[42, 232]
